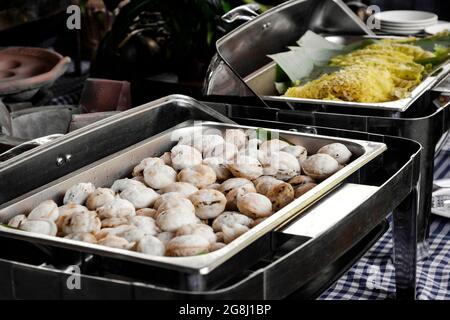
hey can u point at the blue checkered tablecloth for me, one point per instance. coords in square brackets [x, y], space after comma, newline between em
[373, 276]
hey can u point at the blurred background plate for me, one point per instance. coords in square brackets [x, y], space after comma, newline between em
[405, 26]
[439, 27]
[405, 22]
[406, 17]
[399, 32]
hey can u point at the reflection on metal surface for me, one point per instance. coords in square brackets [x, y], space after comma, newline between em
[245, 12]
[27, 145]
[443, 86]
[329, 211]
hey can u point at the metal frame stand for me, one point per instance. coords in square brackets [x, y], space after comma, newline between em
[405, 249]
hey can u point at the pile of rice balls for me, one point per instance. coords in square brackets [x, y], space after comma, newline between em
[196, 198]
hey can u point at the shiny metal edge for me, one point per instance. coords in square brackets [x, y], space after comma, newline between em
[289, 5]
[341, 202]
[257, 82]
[285, 6]
[202, 264]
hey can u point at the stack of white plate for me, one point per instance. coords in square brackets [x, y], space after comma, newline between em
[405, 22]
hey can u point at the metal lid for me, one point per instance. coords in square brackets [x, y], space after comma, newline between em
[246, 48]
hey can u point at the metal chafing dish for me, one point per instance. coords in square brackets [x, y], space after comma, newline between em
[282, 261]
[242, 54]
[200, 271]
[245, 50]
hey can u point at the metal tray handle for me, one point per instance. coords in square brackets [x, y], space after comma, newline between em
[245, 12]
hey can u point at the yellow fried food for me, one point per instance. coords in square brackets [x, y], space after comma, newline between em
[380, 72]
[408, 49]
[355, 83]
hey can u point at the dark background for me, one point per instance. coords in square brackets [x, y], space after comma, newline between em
[155, 64]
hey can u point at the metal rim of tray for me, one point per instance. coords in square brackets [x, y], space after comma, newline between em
[182, 99]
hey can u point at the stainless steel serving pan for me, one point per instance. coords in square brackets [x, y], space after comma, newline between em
[245, 49]
[262, 83]
[120, 164]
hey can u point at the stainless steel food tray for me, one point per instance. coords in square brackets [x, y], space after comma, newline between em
[120, 164]
[262, 83]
